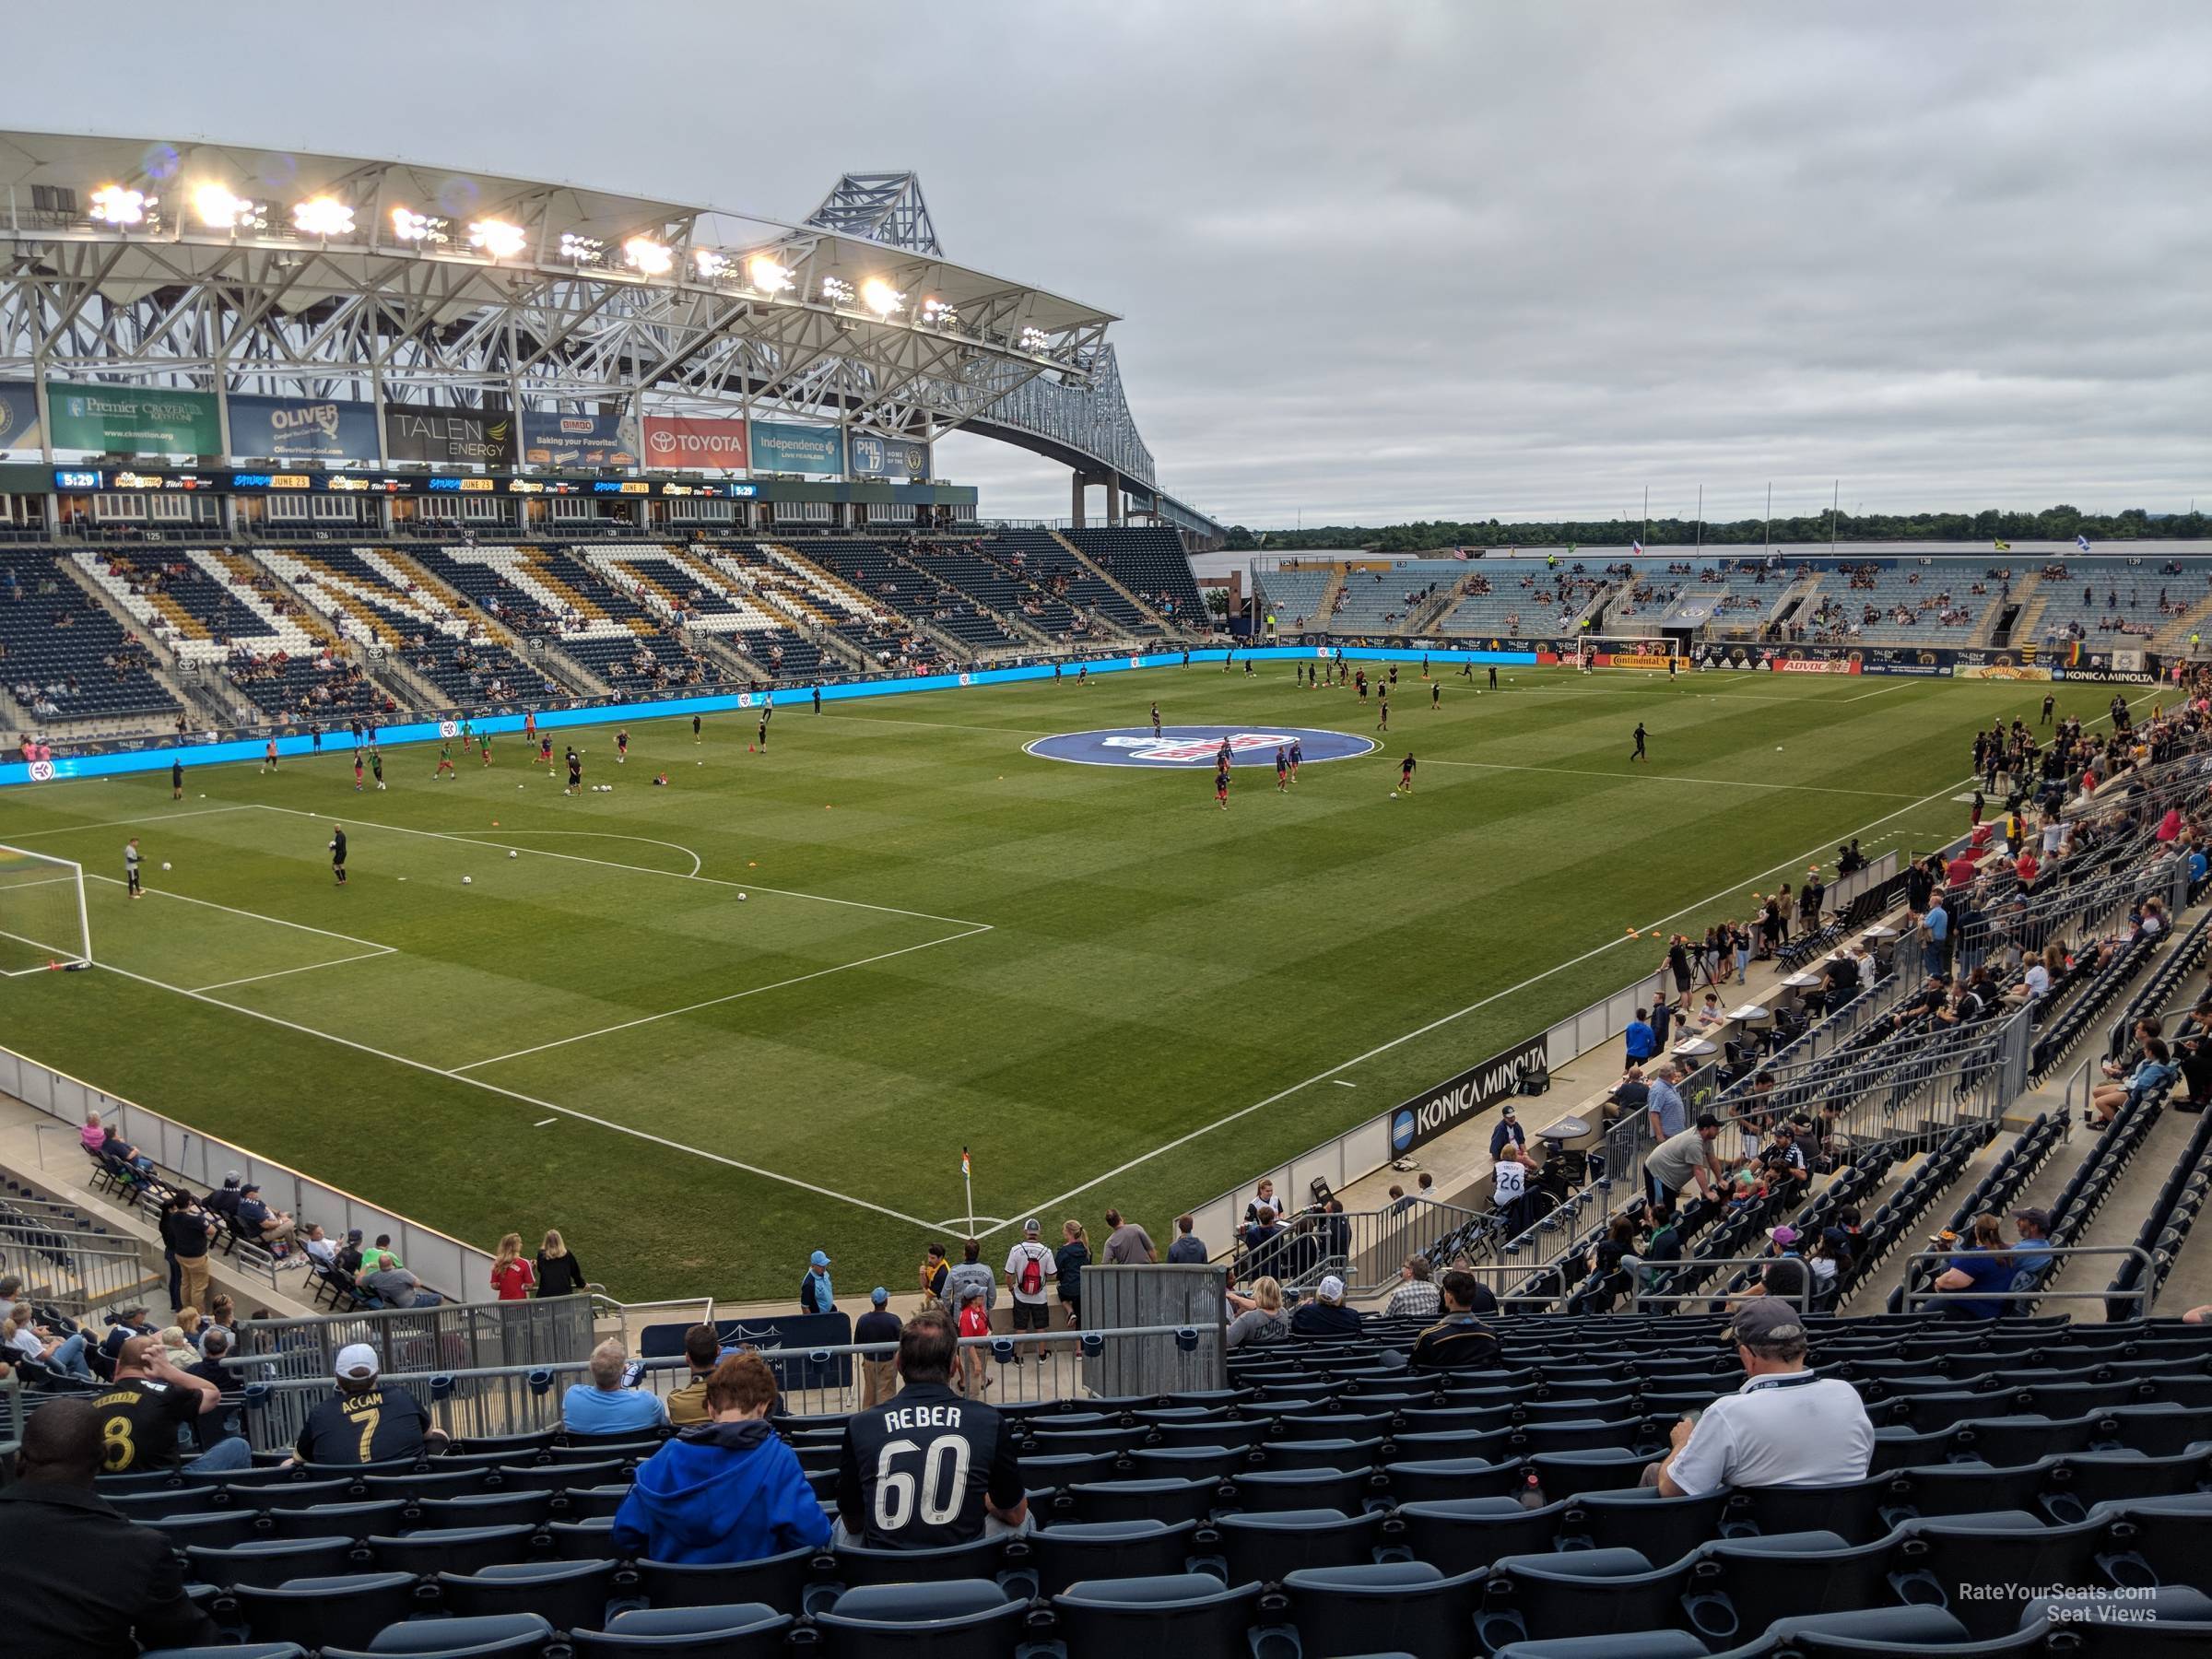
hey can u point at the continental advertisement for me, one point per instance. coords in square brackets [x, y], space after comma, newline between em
[1631, 659]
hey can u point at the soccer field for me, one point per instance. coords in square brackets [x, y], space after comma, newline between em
[708, 1027]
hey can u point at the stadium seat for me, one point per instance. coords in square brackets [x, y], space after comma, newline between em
[359, 1520]
[1579, 1593]
[1302, 1489]
[461, 1549]
[517, 1479]
[581, 1503]
[488, 1509]
[743, 1631]
[1739, 1586]
[1063, 1554]
[780, 1581]
[2010, 1551]
[2159, 1540]
[1144, 1499]
[1639, 1518]
[567, 1594]
[1639, 1644]
[219, 1530]
[1391, 1607]
[856, 1566]
[318, 1612]
[510, 1635]
[1461, 1533]
[1190, 1613]
[1211, 1461]
[293, 1494]
[589, 1540]
[1263, 1546]
[270, 1562]
[952, 1618]
[1852, 1508]
[248, 1649]
[1442, 1479]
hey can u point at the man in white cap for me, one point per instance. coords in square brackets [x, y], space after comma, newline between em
[1785, 1426]
[1328, 1316]
[1030, 1266]
[368, 1420]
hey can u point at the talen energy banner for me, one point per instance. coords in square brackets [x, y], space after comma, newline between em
[285, 429]
[695, 443]
[427, 432]
[19, 415]
[551, 440]
[781, 446]
[133, 421]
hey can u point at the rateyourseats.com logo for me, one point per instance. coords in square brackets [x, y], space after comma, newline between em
[1181, 746]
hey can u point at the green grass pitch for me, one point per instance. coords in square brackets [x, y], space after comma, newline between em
[1111, 992]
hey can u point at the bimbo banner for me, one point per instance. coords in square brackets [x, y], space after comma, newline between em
[329, 428]
[551, 440]
[870, 456]
[133, 421]
[19, 415]
[695, 443]
[780, 446]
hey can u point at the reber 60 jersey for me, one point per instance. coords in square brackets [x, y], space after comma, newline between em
[915, 1472]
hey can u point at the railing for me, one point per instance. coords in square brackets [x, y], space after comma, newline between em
[1364, 1248]
[443, 1263]
[1499, 1274]
[69, 1272]
[2059, 1255]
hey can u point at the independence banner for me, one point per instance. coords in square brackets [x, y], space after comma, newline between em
[133, 421]
[870, 457]
[781, 446]
[19, 415]
[285, 429]
[576, 441]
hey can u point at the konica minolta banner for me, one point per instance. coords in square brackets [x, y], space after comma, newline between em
[285, 429]
[1435, 1111]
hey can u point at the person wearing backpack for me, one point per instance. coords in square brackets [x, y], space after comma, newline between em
[1029, 1265]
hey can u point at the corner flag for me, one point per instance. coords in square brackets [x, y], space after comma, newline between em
[965, 1168]
[2003, 545]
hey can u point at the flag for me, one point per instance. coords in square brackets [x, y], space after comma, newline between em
[1636, 546]
[2082, 542]
[965, 1169]
[2003, 545]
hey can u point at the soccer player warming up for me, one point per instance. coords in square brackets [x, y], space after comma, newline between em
[130, 867]
[575, 772]
[1221, 781]
[445, 759]
[1638, 753]
[1405, 774]
[337, 853]
[1282, 769]
[622, 748]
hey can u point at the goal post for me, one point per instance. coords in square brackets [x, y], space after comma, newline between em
[43, 920]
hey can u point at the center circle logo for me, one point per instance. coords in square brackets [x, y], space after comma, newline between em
[1195, 745]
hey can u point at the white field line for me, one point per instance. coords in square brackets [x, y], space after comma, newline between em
[1877, 691]
[120, 823]
[601, 835]
[255, 979]
[542, 1122]
[714, 1002]
[249, 915]
[1575, 771]
[24, 886]
[1382, 1048]
[935, 726]
[569, 1111]
[466, 841]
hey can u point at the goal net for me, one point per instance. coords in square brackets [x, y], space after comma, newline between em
[42, 921]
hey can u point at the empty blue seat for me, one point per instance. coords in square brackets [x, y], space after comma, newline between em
[325, 1612]
[1982, 1569]
[359, 1520]
[452, 1548]
[743, 1631]
[1640, 1518]
[1579, 1593]
[1461, 1533]
[568, 1595]
[1144, 1499]
[270, 1562]
[1442, 1479]
[1064, 1554]
[1261, 1545]
[1175, 1614]
[511, 1636]
[953, 1619]
[1394, 1607]
[780, 1581]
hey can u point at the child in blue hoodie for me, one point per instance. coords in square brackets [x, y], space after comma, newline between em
[728, 1490]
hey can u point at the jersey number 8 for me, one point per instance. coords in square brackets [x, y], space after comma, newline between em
[942, 1487]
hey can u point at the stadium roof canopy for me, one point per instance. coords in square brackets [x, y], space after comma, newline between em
[193, 263]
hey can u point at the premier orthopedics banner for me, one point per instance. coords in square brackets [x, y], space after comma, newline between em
[19, 415]
[781, 446]
[695, 443]
[870, 456]
[285, 429]
[551, 440]
[133, 420]
[427, 432]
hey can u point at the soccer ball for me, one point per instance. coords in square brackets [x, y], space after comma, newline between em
[380, 786]
[165, 866]
[512, 854]
[468, 881]
[741, 897]
[522, 786]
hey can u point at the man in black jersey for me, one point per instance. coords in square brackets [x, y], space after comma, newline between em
[367, 1421]
[929, 1469]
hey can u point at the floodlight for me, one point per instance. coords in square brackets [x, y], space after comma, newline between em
[767, 275]
[837, 290]
[711, 263]
[649, 256]
[410, 226]
[1035, 339]
[939, 313]
[497, 238]
[322, 216]
[880, 297]
[582, 249]
[118, 205]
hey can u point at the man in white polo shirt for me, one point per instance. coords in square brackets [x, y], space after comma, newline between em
[1783, 1426]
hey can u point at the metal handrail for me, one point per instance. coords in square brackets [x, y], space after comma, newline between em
[2141, 1296]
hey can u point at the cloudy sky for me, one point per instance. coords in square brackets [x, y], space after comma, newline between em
[1382, 262]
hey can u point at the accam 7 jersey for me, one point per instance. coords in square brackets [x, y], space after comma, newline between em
[916, 1472]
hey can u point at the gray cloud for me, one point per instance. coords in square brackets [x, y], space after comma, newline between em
[1392, 261]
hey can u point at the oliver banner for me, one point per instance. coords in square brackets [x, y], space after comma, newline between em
[873, 457]
[19, 415]
[1435, 1111]
[426, 433]
[283, 429]
[780, 446]
[551, 440]
[695, 443]
[133, 421]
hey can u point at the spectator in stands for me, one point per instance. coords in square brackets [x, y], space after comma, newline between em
[1068, 1263]
[878, 1373]
[56, 1351]
[1029, 1265]
[319, 1249]
[94, 1134]
[816, 1294]
[1265, 1194]
[889, 1446]
[186, 1229]
[379, 1256]
[1935, 939]
[81, 1578]
[971, 1275]
[1327, 1315]
[258, 1221]
[1630, 1096]
[146, 1403]
[1785, 1275]
[702, 1351]
[1126, 1242]
[1258, 1318]
[1416, 1296]
[1783, 1426]
[1642, 1042]
[559, 1271]
[1663, 1107]
[1983, 1265]
[1187, 1247]
[1459, 1340]
[729, 1489]
[607, 1403]
[933, 1271]
[1685, 1158]
[394, 1287]
[1508, 1128]
[2033, 1247]
[368, 1420]
[123, 1324]
[2155, 1071]
[513, 1278]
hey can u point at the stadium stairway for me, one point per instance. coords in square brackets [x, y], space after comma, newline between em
[201, 696]
[1113, 582]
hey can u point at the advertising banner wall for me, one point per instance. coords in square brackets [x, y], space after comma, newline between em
[1998, 671]
[133, 421]
[695, 443]
[426, 433]
[328, 429]
[550, 440]
[874, 457]
[1436, 1110]
[781, 446]
[19, 415]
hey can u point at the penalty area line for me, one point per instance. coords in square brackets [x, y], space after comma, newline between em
[543, 1105]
